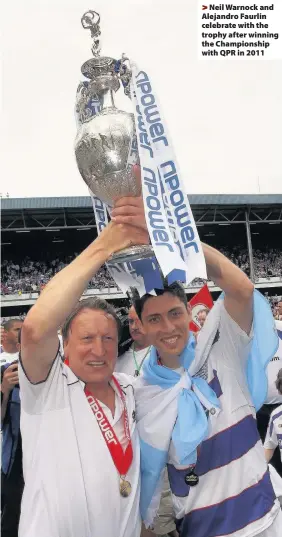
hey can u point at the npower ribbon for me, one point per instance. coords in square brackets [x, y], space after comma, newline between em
[169, 218]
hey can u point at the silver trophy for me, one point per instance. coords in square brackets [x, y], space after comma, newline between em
[106, 145]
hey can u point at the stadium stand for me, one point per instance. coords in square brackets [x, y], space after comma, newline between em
[41, 235]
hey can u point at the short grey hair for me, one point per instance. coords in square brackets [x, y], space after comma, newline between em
[92, 303]
[8, 325]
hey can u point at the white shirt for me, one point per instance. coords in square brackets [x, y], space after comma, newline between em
[8, 357]
[126, 363]
[273, 396]
[71, 482]
[274, 431]
[231, 459]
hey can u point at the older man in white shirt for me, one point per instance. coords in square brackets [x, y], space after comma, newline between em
[81, 456]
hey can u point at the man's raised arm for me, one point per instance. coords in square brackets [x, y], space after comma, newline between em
[39, 339]
[236, 285]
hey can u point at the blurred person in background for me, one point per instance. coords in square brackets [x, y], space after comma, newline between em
[279, 311]
[202, 317]
[10, 341]
[132, 360]
[273, 438]
[273, 400]
[12, 482]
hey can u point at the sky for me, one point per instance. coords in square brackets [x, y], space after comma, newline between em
[224, 117]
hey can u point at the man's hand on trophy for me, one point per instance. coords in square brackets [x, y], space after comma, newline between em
[130, 210]
[116, 237]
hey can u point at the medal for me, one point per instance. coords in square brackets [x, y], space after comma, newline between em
[191, 479]
[125, 488]
[122, 459]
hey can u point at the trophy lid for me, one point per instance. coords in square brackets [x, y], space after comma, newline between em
[99, 65]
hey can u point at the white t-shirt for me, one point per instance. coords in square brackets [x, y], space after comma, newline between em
[234, 494]
[274, 431]
[273, 396]
[71, 482]
[126, 363]
[8, 357]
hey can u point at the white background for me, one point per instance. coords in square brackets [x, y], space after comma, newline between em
[225, 118]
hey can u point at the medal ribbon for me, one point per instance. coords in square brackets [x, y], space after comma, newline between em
[138, 367]
[122, 459]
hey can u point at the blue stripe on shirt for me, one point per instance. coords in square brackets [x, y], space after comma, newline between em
[219, 450]
[215, 384]
[228, 445]
[231, 515]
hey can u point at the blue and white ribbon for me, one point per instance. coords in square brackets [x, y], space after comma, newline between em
[169, 218]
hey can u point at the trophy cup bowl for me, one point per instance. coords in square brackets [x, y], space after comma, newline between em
[104, 138]
[101, 149]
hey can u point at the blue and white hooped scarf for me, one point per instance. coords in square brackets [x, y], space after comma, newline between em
[170, 406]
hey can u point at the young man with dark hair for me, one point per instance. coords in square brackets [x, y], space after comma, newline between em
[230, 444]
[195, 407]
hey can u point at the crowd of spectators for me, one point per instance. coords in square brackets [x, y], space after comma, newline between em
[30, 276]
[267, 263]
[273, 300]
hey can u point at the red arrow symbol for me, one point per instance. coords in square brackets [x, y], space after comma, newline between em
[204, 7]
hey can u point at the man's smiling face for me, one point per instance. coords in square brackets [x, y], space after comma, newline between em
[166, 321]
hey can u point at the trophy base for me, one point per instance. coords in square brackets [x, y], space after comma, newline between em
[134, 253]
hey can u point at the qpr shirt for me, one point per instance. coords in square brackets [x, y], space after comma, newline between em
[71, 482]
[234, 495]
[274, 431]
